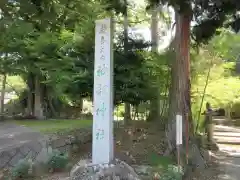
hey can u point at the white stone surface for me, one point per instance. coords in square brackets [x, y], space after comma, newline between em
[102, 150]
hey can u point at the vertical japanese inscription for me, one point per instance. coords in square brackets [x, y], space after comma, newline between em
[100, 134]
[101, 71]
[103, 29]
[101, 110]
[102, 150]
[101, 89]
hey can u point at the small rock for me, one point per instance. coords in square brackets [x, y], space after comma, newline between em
[82, 164]
[115, 171]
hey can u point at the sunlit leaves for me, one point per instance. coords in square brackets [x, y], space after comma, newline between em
[227, 45]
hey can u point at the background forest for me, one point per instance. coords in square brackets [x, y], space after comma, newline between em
[47, 60]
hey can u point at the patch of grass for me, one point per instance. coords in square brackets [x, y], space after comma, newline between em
[54, 125]
[57, 161]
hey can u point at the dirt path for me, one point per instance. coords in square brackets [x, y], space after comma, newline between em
[228, 139]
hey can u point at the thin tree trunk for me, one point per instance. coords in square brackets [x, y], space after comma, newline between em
[180, 92]
[53, 113]
[81, 104]
[4, 80]
[155, 103]
[165, 105]
[127, 107]
[135, 113]
[38, 111]
[204, 92]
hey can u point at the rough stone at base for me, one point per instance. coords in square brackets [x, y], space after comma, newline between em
[116, 170]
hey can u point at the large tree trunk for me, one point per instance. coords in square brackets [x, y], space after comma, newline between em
[155, 103]
[30, 96]
[127, 113]
[80, 104]
[38, 111]
[4, 80]
[127, 107]
[180, 92]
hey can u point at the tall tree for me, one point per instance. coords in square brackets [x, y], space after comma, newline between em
[209, 16]
[155, 103]
[4, 80]
[127, 106]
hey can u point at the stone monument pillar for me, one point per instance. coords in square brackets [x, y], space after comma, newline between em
[103, 164]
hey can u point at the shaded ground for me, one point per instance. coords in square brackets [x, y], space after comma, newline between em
[139, 143]
[12, 135]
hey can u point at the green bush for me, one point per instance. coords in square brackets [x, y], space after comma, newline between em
[166, 169]
[57, 161]
[172, 173]
[21, 170]
[159, 161]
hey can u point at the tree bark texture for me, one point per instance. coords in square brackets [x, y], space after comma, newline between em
[127, 113]
[155, 103]
[4, 80]
[38, 111]
[180, 102]
[30, 97]
[127, 107]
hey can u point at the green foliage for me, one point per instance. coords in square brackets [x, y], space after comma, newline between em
[208, 15]
[21, 170]
[226, 45]
[14, 83]
[219, 56]
[212, 16]
[57, 161]
[172, 173]
[12, 32]
[221, 90]
[168, 171]
[53, 41]
[136, 73]
[116, 5]
[58, 48]
[160, 161]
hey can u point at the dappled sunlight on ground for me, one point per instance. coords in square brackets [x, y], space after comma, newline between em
[231, 166]
[223, 128]
[228, 157]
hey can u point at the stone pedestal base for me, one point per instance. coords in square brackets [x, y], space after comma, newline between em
[116, 170]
